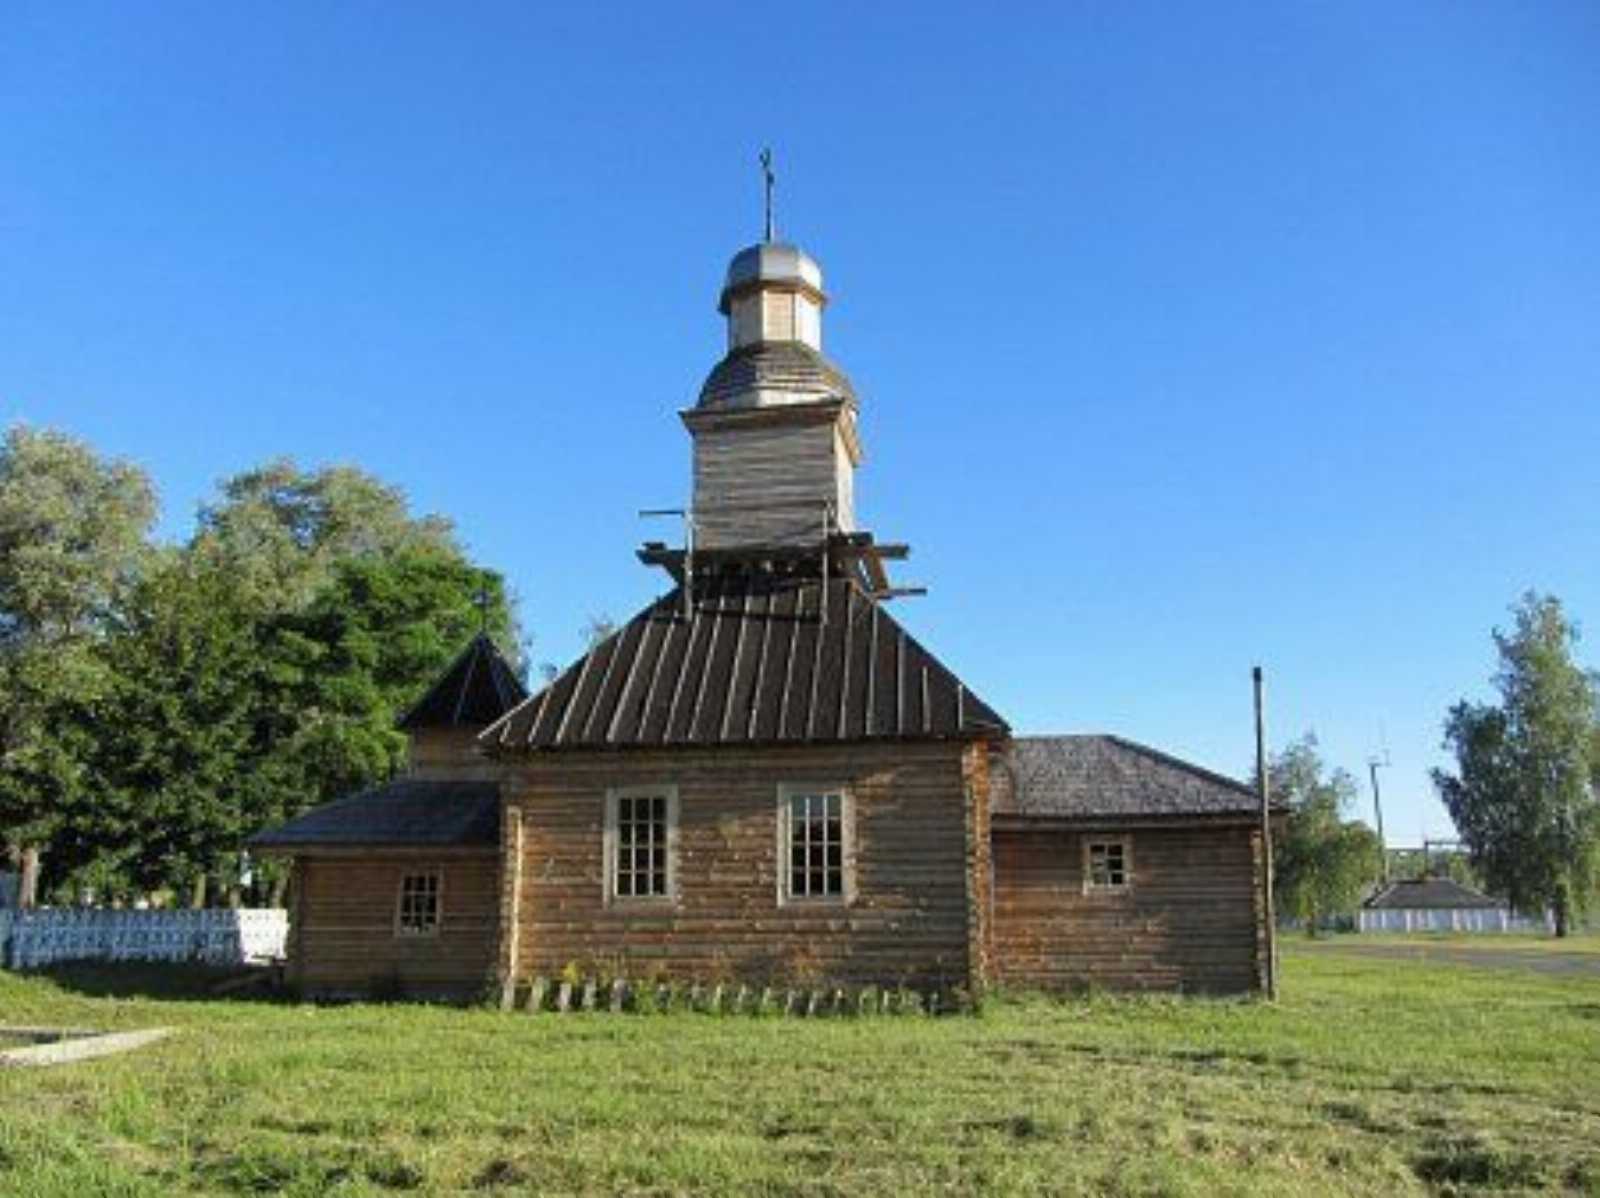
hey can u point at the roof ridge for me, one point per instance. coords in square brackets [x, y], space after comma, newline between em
[1179, 763]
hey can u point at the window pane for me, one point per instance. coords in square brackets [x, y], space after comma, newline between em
[835, 882]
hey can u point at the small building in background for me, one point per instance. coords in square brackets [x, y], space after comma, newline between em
[1441, 905]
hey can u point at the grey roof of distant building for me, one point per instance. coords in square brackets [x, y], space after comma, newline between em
[424, 812]
[1430, 894]
[1097, 776]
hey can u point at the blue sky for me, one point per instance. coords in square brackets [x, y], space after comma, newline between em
[1187, 336]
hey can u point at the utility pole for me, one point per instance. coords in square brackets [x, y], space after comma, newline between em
[1373, 765]
[1266, 839]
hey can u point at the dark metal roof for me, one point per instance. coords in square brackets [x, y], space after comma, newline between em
[1430, 894]
[409, 811]
[477, 689]
[785, 366]
[763, 658]
[1087, 777]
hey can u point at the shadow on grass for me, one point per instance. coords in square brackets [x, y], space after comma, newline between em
[164, 981]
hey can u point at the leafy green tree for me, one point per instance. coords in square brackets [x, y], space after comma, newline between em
[73, 529]
[282, 530]
[1523, 796]
[1322, 863]
[177, 744]
[357, 606]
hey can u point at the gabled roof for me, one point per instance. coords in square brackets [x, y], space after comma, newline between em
[409, 811]
[1429, 894]
[762, 658]
[1089, 777]
[477, 689]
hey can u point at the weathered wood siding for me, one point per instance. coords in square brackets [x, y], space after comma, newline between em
[1189, 921]
[768, 483]
[343, 937]
[448, 752]
[910, 920]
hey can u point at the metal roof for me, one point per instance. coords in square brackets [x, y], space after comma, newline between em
[762, 658]
[1429, 894]
[477, 689]
[409, 811]
[772, 262]
[1087, 777]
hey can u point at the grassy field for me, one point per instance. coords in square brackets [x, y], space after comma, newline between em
[1370, 1077]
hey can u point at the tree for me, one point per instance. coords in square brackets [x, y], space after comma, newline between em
[73, 530]
[357, 606]
[176, 748]
[1321, 862]
[1523, 796]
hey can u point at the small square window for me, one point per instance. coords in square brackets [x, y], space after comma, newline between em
[420, 908]
[1107, 865]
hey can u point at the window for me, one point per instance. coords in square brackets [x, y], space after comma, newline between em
[814, 850]
[1107, 865]
[419, 905]
[641, 836]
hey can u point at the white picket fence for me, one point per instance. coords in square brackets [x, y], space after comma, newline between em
[40, 937]
[1464, 919]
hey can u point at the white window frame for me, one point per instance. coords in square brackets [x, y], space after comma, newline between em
[609, 844]
[847, 836]
[1090, 886]
[410, 933]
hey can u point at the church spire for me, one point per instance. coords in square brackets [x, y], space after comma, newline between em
[769, 178]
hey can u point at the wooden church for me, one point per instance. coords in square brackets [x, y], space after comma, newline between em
[763, 777]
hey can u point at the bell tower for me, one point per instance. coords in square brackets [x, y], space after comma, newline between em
[775, 440]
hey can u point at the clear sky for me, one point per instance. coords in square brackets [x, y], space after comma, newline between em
[1187, 336]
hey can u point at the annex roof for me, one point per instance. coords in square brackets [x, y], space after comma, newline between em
[761, 658]
[425, 812]
[1429, 894]
[477, 689]
[1089, 777]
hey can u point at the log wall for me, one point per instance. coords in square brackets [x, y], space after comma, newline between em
[1188, 922]
[344, 940]
[768, 483]
[909, 922]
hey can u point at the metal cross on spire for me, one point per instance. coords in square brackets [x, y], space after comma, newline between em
[483, 601]
[766, 171]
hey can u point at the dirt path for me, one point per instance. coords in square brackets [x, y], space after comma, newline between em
[1537, 961]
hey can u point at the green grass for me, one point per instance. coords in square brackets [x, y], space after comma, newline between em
[1370, 1077]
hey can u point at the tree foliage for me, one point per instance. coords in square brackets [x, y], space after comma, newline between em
[72, 538]
[1523, 795]
[1321, 862]
[160, 705]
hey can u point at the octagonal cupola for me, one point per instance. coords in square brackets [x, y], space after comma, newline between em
[773, 292]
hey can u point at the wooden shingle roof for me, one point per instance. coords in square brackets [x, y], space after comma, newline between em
[762, 658]
[1099, 777]
[477, 689]
[781, 366]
